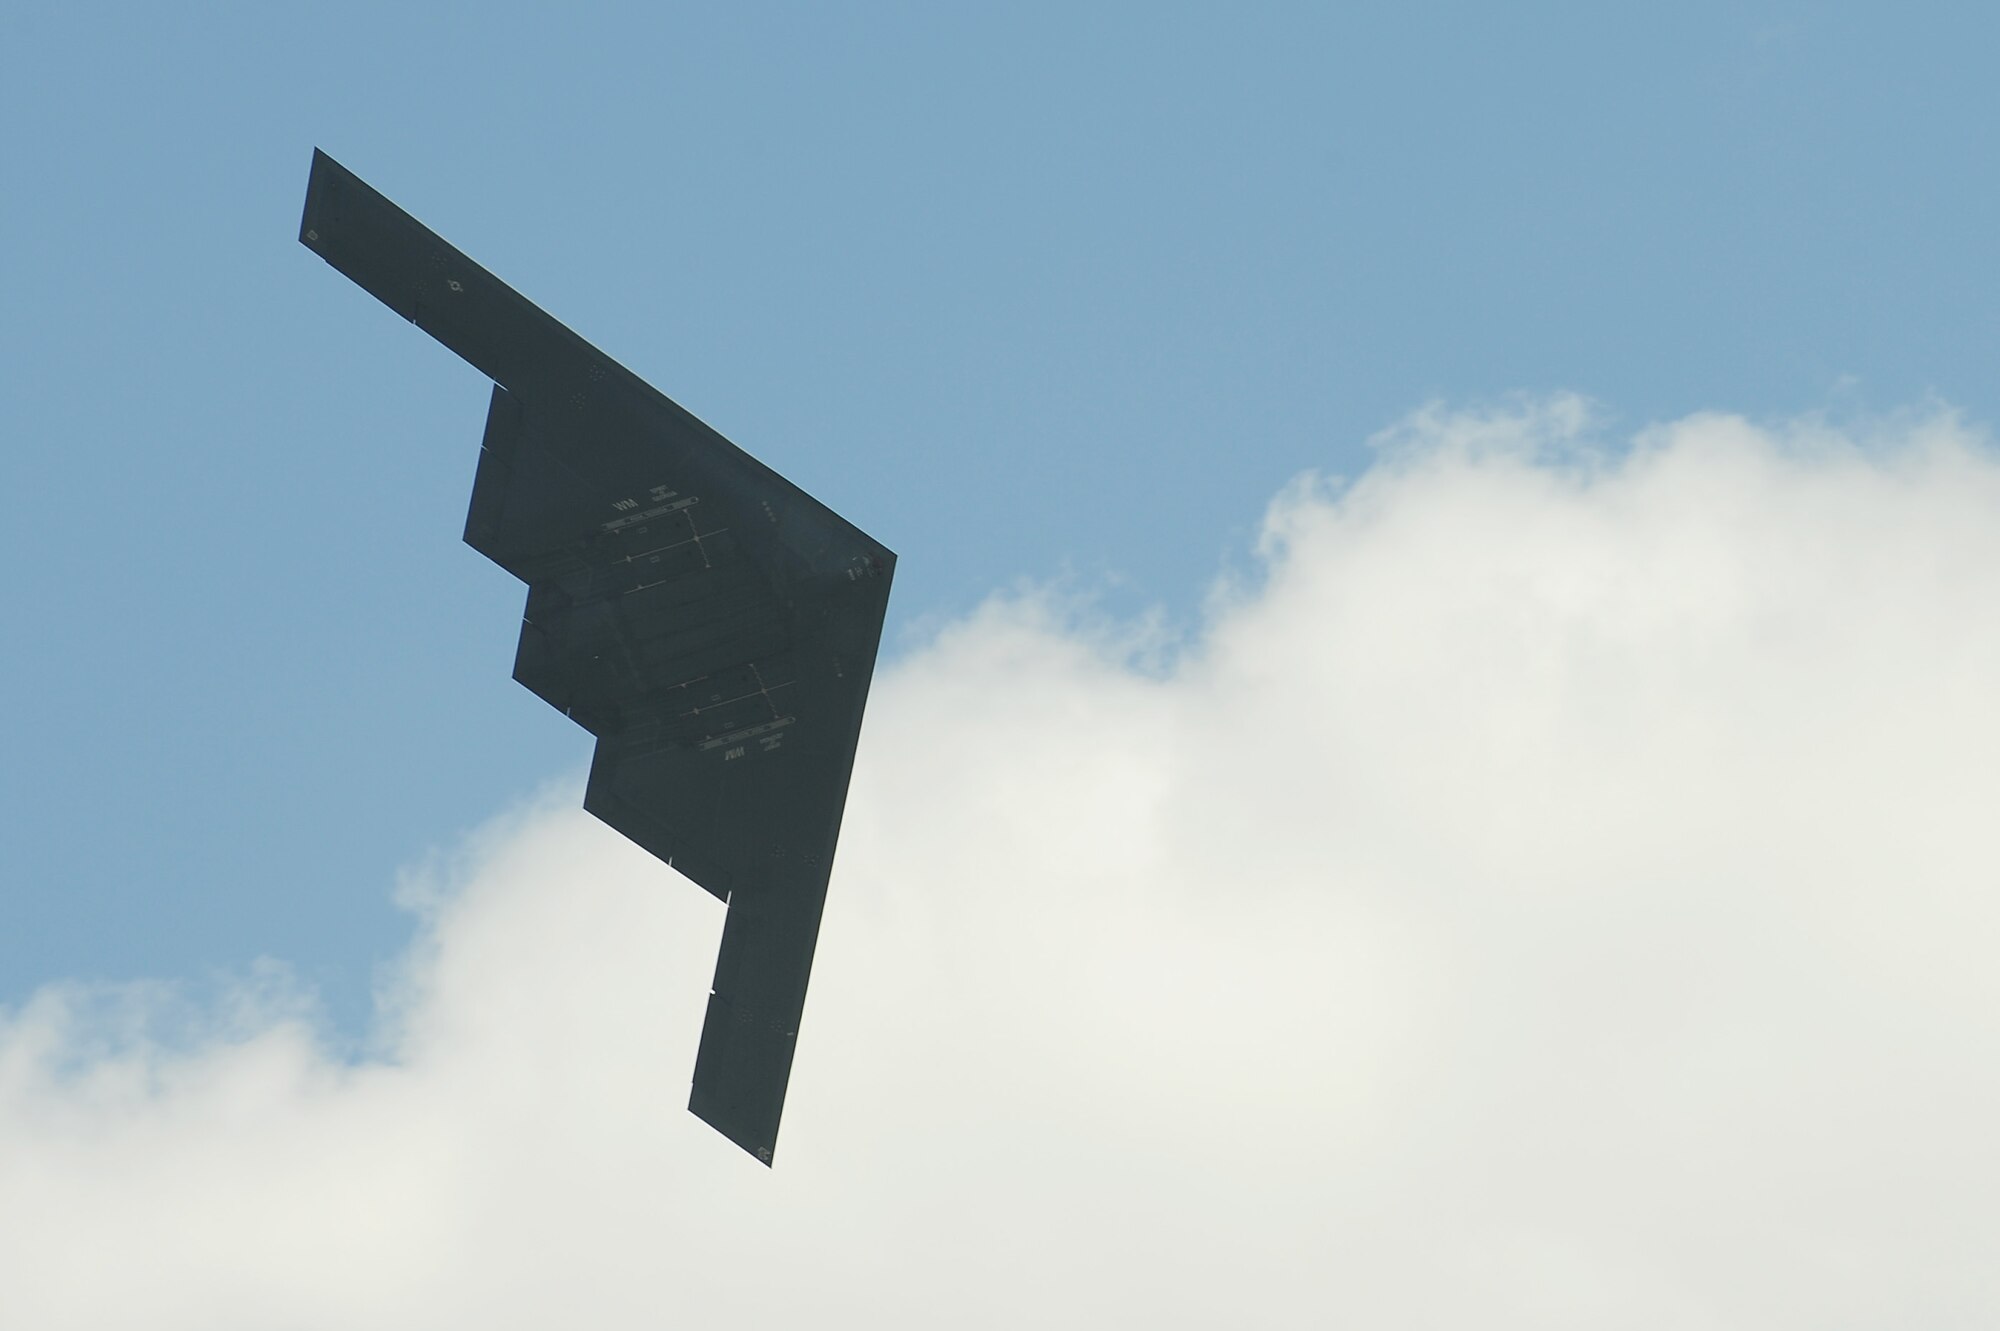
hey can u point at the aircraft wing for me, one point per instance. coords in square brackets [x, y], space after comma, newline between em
[714, 626]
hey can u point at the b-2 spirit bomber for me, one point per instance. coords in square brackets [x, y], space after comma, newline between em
[714, 626]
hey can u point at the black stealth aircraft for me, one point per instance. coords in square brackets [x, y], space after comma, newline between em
[710, 623]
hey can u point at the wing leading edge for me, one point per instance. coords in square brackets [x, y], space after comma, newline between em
[714, 626]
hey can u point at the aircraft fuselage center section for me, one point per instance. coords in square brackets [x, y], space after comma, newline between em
[662, 632]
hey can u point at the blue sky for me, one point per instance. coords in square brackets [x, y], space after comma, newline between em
[1027, 291]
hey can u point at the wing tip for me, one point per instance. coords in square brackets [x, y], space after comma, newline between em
[759, 1146]
[740, 1076]
[312, 222]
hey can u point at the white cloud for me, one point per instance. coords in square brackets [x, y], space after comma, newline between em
[1557, 893]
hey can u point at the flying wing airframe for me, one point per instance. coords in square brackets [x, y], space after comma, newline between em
[711, 624]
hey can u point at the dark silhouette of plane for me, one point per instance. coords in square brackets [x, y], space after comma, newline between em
[713, 625]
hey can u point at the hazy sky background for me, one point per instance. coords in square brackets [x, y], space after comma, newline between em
[1547, 875]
